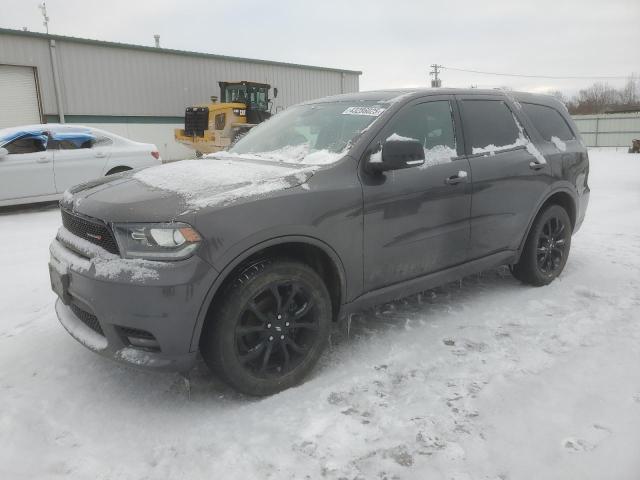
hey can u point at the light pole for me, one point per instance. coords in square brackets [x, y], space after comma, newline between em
[45, 17]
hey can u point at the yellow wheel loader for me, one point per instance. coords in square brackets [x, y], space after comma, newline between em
[215, 126]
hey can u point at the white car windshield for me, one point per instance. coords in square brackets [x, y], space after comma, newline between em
[313, 134]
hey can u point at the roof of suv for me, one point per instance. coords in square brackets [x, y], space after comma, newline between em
[393, 95]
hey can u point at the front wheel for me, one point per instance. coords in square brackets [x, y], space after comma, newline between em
[269, 328]
[547, 248]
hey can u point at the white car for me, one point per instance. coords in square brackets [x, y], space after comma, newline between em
[39, 162]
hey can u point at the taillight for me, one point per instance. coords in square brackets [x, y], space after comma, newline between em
[155, 154]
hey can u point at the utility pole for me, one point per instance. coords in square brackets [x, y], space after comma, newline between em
[436, 82]
[45, 17]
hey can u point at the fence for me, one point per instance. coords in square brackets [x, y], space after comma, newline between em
[609, 129]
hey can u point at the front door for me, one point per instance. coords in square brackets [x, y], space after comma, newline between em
[509, 173]
[27, 170]
[416, 220]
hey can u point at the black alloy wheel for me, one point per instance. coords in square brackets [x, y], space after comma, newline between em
[269, 327]
[546, 248]
[551, 246]
[277, 329]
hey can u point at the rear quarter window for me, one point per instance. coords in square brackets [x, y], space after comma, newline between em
[102, 141]
[548, 122]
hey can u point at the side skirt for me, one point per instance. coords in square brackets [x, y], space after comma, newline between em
[420, 284]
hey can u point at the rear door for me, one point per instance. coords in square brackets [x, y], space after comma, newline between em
[556, 139]
[27, 171]
[416, 220]
[509, 173]
[76, 162]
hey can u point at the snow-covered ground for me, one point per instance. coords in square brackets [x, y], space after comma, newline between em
[487, 379]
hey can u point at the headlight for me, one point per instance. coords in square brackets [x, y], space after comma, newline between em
[156, 241]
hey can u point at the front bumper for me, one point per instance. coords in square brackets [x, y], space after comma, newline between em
[140, 313]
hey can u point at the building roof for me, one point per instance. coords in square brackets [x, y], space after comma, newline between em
[129, 46]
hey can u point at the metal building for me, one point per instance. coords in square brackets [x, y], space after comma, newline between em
[136, 91]
[609, 129]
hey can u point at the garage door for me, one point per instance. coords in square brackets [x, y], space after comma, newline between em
[18, 96]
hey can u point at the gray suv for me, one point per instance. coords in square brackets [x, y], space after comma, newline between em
[329, 207]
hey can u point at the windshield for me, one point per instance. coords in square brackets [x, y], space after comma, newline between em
[311, 134]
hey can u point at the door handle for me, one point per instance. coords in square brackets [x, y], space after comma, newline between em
[42, 159]
[459, 177]
[100, 155]
[536, 165]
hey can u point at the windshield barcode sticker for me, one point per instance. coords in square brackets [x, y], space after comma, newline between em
[369, 111]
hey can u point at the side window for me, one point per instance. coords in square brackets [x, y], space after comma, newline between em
[25, 145]
[74, 144]
[73, 141]
[489, 125]
[67, 145]
[430, 123]
[548, 122]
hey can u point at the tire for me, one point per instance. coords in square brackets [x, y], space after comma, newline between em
[246, 327]
[117, 170]
[198, 154]
[547, 248]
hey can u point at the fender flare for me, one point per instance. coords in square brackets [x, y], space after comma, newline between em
[233, 263]
[547, 195]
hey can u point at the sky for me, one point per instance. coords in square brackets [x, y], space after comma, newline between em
[391, 42]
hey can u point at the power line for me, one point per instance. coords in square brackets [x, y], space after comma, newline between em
[595, 77]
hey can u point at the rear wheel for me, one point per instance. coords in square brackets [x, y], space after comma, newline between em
[547, 248]
[269, 328]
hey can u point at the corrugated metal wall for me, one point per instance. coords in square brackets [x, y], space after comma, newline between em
[103, 79]
[609, 129]
[31, 52]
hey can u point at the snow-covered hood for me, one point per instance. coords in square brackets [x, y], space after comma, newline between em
[178, 189]
[217, 182]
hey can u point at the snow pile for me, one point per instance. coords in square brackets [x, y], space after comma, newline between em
[67, 197]
[560, 145]
[491, 149]
[399, 138]
[106, 265]
[438, 155]
[522, 141]
[204, 183]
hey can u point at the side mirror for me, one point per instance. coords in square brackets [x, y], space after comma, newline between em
[3, 153]
[397, 153]
[275, 92]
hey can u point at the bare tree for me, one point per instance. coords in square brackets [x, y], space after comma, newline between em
[630, 93]
[600, 97]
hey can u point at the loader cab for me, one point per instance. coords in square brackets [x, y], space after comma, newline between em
[254, 95]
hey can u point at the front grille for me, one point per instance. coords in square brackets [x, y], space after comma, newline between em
[91, 230]
[88, 319]
[196, 121]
